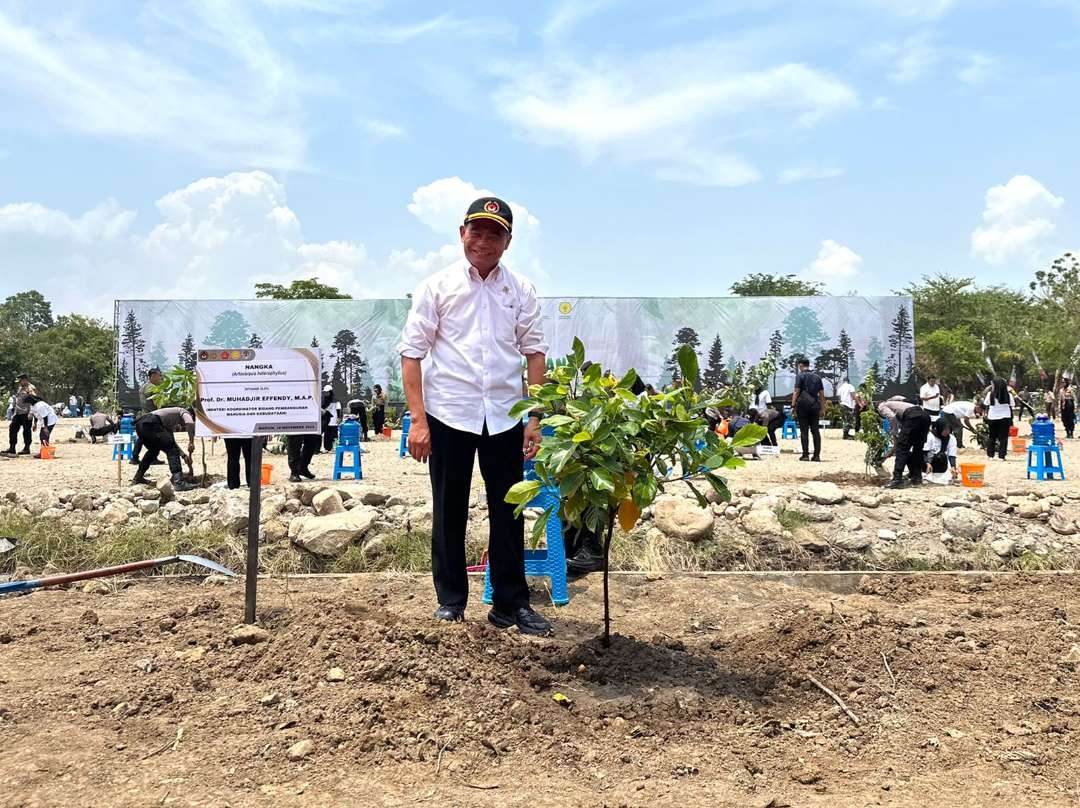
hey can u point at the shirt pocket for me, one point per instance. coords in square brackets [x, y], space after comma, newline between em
[504, 318]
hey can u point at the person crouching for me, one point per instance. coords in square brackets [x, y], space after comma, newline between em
[155, 430]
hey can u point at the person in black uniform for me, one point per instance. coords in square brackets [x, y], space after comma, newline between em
[155, 430]
[234, 448]
[808, 401]
[301, 449]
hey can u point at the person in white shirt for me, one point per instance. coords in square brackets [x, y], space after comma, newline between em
[999, 403]
[45, 415]
[471, 324]
[939, 451]
[331, 417]
[762, 400]
[846, 394]
[959, 415]
[930, 394]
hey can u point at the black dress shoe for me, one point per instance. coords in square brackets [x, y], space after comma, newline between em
[527, 621]
[815, 459]
[308, 473]
[452, 614]
[805, 458]
[585, 561]
[896, 484]
[295, 478]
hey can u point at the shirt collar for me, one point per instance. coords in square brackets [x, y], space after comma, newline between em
[474, 274]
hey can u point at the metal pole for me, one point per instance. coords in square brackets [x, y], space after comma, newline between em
[255, 490]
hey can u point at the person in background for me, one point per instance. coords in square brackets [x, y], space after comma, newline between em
[1050, 401]
[378, 409]
[999, 403]
[155, 429]
[358, 410]
[301, 449]
[10, 408]
[939, 451]
[862, 404]
[20, 415]
[846, 393]
[101, 425]
[1068, 410]
[959, 415]
[146, 406]
[930, 396]
[769, 418]
[762, 399]
[45, 416]
[331, 417]
[72, 407]
[234, 448]
[650, 390]
[808, 401]
[909, 425]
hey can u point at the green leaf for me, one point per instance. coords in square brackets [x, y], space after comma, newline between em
[749, 435]
[557, 421]
[688, 365]
[540, 526]
[577, 355]
[521, 493]
[719, 486]
[592, 375]
[601, 480]
[627, 381]
[523, 407]
[582, 436]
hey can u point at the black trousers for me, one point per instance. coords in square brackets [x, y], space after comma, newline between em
[156, 438]
[234, 448]
[451, 467]
[20, 420]
[301, 449]
[955, 428]
[100, 432]
[774, 423]
[808, 418]
[914, 426]
[378, 419]
[329, 435]
[997, 440]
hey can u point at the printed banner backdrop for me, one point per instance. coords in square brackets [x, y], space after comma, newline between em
[358, 337]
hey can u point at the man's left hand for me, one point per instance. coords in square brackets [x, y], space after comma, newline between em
[531, 443]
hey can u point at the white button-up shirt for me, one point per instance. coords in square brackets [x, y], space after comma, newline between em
[473, 334]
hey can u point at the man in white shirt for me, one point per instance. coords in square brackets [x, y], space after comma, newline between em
[762, 400]
[959, 415]
[471, 324]
[846, 394]
[930, 394]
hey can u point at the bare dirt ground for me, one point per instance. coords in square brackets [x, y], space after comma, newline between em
[965, 689]
[84, 467]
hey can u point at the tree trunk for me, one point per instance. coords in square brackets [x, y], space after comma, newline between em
[202, 441]
[607, 605]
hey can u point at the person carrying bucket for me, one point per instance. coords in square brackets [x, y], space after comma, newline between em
[46, 418]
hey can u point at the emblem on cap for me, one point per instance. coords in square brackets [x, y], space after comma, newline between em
[491, 206]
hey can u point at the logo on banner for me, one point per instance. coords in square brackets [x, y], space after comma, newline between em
[565, 307]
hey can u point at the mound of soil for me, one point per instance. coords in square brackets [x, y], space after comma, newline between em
[964, 690]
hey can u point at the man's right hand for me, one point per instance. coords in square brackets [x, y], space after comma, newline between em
[419, 441]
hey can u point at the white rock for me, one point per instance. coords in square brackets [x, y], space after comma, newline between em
[327, 502]
[273, 530]
[115, 514]
[886, 535]
[329, 535]
[762, 522]
[83, 502]
[300, 750]
[1004, 547]
[964, 522]
[768, 502]
[67, 495]
[1032, 510]
[850, 523]
[823, 493]
[92, 532]
[866, 500]
[852, 541]
[374, 497]
[1061, 526]
[229, 511]
[149, 506]
[682, 519]
[420, 519]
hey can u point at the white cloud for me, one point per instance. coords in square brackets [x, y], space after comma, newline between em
[910, 59]
[1016, 221]
[381, 130]
[978, 69]
[103, 87]
[834, 263]
[670, 109]
[219, 236]
[569, 13]
[918, 10]
[802, 173]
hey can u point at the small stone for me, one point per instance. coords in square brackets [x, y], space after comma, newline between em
[166, 625]
[148, 506]
[92, 532]
[1073, 655]
[1004, 547]
[83, 502]
[1031, 510]
[374, 497]
[681, 518]
[270, 699]
[886, 535]
[964, 522]
[192, 655]
[851, 523]
[300, 750]
[327, 502]
[145, 665]
[823, 493]
[165, 490]
[335, 675]
[248, 635]
[97, 587]
[855, 540]
[762, 522]
[1061, 526]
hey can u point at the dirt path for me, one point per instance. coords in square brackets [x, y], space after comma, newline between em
[704, 698]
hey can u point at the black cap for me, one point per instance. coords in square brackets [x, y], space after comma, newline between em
[22, 376]
[493, 208]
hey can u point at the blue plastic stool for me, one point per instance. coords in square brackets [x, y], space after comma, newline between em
[406, 420]
[550, 562]
[348, 443]
[125, 451]
[1041, 460]
[791, 429]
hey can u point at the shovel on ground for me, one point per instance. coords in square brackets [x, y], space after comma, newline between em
[12, 587]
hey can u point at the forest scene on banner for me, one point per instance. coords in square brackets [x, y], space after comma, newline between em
[841, 336]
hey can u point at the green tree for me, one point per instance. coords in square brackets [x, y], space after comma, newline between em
[230, 330]
[187, 357]
[714, 374]
[132, 346]
[951, 354]
[157, 355]
[830, 364]
[308, 289]
[847, 353]
[763, 284]
[901, 342]
[29, 311]
[613, 452]
[75, 355]
[803, 332]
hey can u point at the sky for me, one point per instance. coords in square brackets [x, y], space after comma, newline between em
[190, 148]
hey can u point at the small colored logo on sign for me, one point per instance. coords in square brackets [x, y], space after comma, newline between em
[566, 307]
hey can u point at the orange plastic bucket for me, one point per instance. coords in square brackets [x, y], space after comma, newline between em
[387, 432]
[1019, 445]
[47, 452]
[267, 473]
[971, 474]
[1014, 431]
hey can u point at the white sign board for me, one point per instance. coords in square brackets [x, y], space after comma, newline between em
[120, 438]
[243, 392]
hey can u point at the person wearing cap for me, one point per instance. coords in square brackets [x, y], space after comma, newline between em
[146, 406]
[21, 415]
[331, 417]
[472, 323]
